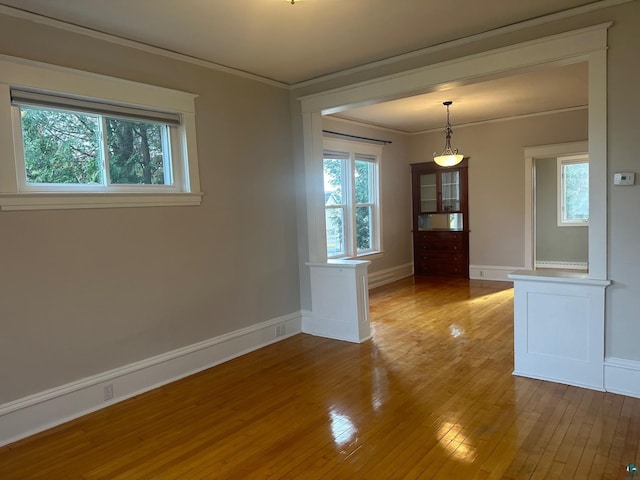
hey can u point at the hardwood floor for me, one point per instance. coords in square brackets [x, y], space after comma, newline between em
[430, 396]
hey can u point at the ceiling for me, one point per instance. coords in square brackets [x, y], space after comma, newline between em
[290, 44]
[544, 90]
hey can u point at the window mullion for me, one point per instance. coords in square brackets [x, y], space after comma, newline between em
[104, 150]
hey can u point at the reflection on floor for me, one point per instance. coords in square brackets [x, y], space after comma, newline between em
[430, 396]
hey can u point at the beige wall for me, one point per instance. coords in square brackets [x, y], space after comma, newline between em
[623, 70]
[496, 177]
[84, 291]
[496, 164]
[623, 326]
[554, 243]
[89, 290]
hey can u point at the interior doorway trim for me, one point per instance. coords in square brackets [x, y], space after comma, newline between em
[530, 154]
[586, 44]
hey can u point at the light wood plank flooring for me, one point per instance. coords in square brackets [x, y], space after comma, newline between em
[430, 397]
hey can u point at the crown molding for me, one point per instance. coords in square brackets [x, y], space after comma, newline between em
[107, 37]
[504, 119]
[48, 21]
[458, 125]
[359, 123]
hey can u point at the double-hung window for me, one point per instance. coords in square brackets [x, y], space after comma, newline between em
[85, 141]
[573, 190]
[351, 193]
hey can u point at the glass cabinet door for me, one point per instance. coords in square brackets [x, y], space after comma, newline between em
[450, 191]
[428, 193]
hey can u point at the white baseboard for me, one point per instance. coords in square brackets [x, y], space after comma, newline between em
[389, 275]
[562, 265]
[326, 328]
[622, 376]
[491, 272]
[41, 411]
[563, 381]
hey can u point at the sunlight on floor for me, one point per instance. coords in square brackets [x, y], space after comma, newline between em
[452, 438]
[342, 428]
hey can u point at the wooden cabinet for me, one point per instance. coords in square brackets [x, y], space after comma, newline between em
[440, 219]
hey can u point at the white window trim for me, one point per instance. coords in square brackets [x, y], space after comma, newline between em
[16, 72]
[354, 148]
[564, 160]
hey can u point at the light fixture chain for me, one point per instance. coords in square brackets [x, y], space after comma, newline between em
[449, 156]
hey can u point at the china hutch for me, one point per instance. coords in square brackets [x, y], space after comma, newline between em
[440, 219]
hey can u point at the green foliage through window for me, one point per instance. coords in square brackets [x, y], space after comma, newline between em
[334, 212]
[350, 193]
[575, 192]
[364, 201]
[66, 147]
[135, 152]
[60, 147]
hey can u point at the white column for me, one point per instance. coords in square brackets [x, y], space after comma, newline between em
[339, 300]
[559, 327]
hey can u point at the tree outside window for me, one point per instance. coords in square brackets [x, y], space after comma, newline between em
[66, 147]
[351, 199]
[573, 189]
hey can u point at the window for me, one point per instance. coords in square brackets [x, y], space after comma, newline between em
[63, 146]
[352, 207]
[573, 190]
[86, 141]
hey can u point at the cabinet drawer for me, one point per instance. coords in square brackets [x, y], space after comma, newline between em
[442, 264]
[440, 245]
[435, 258]
[439, 236]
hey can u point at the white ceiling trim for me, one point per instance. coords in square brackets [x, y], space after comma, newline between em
[466, 40]
[417, 80]
[587, 44]
[367, 125]
[503, 119]
[107, 37]
[458, 125]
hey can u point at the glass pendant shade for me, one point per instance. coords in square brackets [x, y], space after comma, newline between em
[448, 160]
[449, 157]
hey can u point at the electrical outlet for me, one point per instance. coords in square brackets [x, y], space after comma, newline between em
[481, 273]
[281, 330]
[108, 392]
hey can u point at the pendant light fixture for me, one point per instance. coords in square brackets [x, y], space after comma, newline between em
[449, 157]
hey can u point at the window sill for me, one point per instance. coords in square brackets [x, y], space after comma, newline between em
[364, 256]
[66, 201]
[369, 256]
[573, 224]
